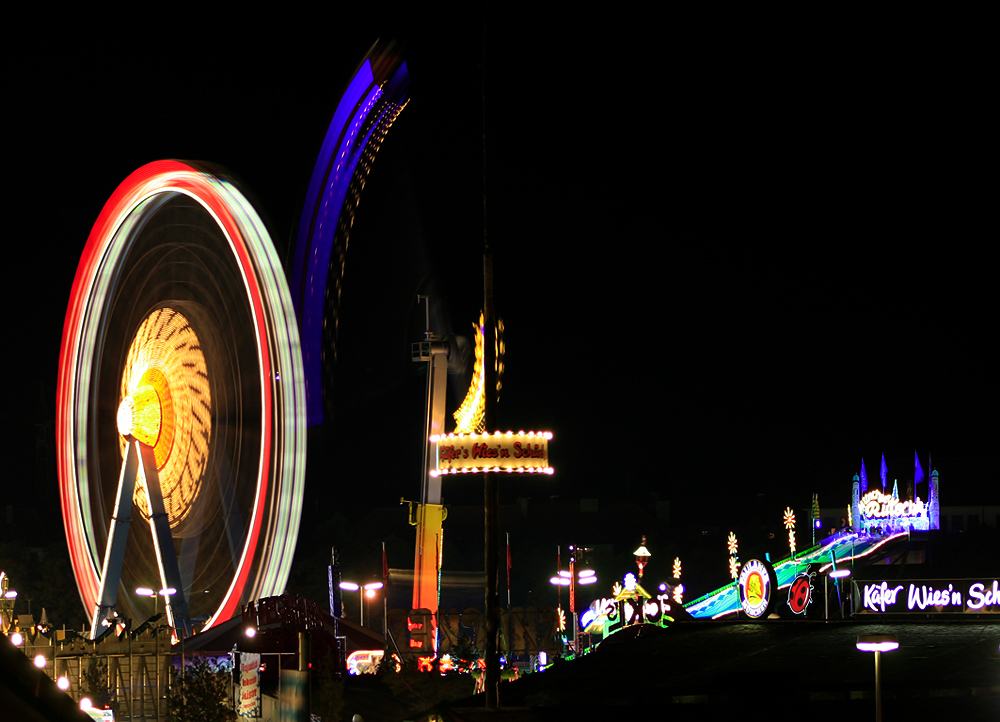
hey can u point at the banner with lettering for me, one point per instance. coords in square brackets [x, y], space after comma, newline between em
[526, 453]
[930, 596]
[249, 702]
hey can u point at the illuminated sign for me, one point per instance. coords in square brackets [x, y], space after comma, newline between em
[755, 583]
[877, 508]
[523, 452]
[364, 661]
[931, 596]
[800, 593]
[249, 705]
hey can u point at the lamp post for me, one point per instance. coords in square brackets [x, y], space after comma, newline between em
[571, 579]
[642, 556]
[878, 643]
[147, 592]
[368, 592]
[836, 575]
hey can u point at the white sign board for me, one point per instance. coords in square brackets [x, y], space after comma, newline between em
[249, 703]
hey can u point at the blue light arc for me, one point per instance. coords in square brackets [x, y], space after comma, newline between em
[367, 109]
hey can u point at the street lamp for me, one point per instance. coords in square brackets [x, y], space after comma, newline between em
[147, 592]
[642, 556]
[836, 575]
[571, 579]
[878, 643]
[369, 593]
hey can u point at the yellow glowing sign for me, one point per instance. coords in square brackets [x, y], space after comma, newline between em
[523, 452]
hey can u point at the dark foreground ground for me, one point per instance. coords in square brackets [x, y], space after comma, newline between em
[699, 670]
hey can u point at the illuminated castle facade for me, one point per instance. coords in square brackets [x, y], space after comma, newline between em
[876, 510]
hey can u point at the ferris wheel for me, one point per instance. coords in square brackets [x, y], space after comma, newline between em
[180, 404]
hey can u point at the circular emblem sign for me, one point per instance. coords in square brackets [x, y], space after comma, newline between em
[755, 584]
[800, 593]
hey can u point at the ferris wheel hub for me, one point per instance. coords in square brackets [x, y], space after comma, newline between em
[140, 416]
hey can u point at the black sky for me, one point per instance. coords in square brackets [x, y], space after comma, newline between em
[727, 263]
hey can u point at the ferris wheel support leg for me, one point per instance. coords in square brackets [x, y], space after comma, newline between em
[163, 541]
[114, 553]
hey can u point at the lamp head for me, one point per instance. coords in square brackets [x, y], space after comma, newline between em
[877, 642]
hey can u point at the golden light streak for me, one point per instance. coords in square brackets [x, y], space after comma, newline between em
[469, 418]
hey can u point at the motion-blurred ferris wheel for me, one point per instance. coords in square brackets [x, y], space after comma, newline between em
[181, 403]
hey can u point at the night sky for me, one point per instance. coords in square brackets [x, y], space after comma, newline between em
[726, 265]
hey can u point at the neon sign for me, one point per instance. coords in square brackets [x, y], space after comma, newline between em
[800, 593]
[755, 583]
[877, 508]
[364, 661]
[927, 596]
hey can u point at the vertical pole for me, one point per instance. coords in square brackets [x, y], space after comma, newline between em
[491, 493]
[305, 658]
[156, 661]
[507, 562]
[385, 594]
[572, 601]
[878, 686]
[826, 599]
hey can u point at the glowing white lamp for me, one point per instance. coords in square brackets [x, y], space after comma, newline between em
[878, 643]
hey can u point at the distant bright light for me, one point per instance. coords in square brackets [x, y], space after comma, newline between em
[85, 703]
[587, 573]
[837, 574]
[145, 592]
[373, 585]
[40, 661]
[350, 586]
[16, 639]
[62, 683]
[250, 632]
[559, 581]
